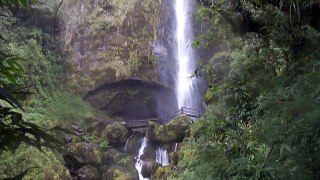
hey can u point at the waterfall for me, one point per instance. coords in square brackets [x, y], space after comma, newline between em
[127, 141]
[125, 146]
[162, 156]
[139, 162]
[185, 55]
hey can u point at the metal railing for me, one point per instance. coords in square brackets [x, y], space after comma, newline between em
[132, 124]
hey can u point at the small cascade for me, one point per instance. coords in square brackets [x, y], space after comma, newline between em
[125, 146]
[162, 156]
[139, 162]
[176, 147]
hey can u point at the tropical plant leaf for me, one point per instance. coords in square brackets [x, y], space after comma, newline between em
[65, 130]
[8, 75]
[9, 98]
[14, 66]
[32, 125]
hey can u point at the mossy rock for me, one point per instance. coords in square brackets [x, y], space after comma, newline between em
[133, 145]
[172, 132]
[69, 138]
[116, 133]
[88, 173]
[92, 126]
[149, 166]
[113, 156]
[149, 152]
[164, 172]
[121, 161]
[174, 158]
[119, 173]
[86, 153]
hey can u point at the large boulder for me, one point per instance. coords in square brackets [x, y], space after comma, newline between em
[118, 162]
[86, 153]
[172, 132]
[149, 166]
[88, 173]
[174, 158]
[149, 152]
[133, 144]
[118, 172]
[116, 133]
[164, 172]
[113, 156]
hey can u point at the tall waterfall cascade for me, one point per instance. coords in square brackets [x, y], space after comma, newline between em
[185, 55]
[185, 60]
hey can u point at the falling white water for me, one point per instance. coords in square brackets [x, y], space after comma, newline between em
[127, 141]
[176, 147]
[139, 162]
[125, 146]
[185, 86]
[162, 156]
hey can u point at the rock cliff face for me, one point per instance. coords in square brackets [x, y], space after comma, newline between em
[110, 40]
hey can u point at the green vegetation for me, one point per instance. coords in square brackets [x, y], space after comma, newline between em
[262, 119]
[33, 94]
[174, 131]
[17, 3]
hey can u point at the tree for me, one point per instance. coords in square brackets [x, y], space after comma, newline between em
[262, 120]
[14, 130]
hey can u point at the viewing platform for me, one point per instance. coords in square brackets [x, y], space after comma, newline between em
[135, 124]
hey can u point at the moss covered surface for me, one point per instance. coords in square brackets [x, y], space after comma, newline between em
[133, 145]
[113, 156]
[172, 132]
[86, 153]
[164, 172]
[118, 173]
[88, 172]
[116, 133]
[111, 40]
[149, 166]
[119, 164]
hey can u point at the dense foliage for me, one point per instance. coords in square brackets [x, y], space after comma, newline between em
[262, 119]
[32, 92]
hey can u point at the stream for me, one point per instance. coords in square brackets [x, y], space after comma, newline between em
[139, 162]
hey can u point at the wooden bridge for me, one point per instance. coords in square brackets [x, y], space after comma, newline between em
[135, 124]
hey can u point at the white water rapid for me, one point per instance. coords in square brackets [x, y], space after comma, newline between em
[139, 162]
[185, 55]
[162, 156]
